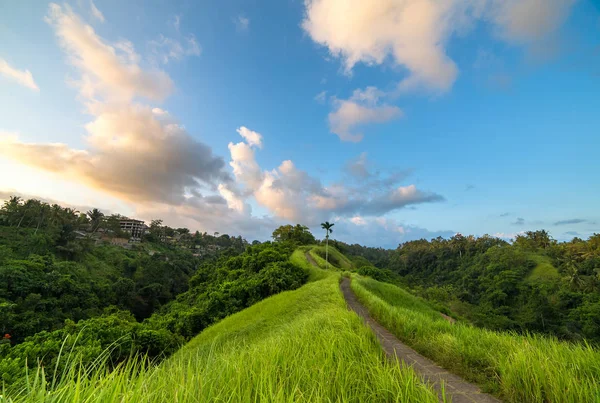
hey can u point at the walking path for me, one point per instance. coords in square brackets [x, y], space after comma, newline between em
[310, 259]
[459, 390]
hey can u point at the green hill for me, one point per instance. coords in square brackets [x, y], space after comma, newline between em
[518, 368]
[543, 270]
[305, 345]
[301, 345]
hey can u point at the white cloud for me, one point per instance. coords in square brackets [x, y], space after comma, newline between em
[134, 152]
[527, 21]
[508, 235]
[97, 14]
[176, 22]
[414, 33]
[21, 77]
[103, 71]
[292, 194]
[253, 138]
[358, 220]
[234, 201]
[411, 32]
[165, 49]
[321, 97]
[242, 23]
[361, 109]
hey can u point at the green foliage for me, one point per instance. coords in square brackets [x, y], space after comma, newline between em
[535, 284]
[230, 285]
[94, 297]
[384, 275]
[118, 333]
[302, 345]
[360, 255]
[518, 368]
[297, 233]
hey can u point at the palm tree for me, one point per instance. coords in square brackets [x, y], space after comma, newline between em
[327, 227]
[11, 209]
[96, 217]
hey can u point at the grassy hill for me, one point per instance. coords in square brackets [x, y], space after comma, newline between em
[518, 368]
[302, 345]
[543, 270]
[336, 259]
[305, 345]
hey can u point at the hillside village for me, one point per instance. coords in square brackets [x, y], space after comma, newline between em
[113, 229]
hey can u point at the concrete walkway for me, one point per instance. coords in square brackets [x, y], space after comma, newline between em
[459, 390]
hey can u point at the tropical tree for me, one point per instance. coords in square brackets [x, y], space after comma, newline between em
[11, 209]
[327, 227]
[96, 218]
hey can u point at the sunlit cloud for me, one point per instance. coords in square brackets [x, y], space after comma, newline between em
[22, 77]
[413, 34]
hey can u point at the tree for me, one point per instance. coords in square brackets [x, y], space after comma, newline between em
[96, 218]
[327, 227]
[11, 209]
[298, 233]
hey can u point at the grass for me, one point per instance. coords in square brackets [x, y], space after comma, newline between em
[517, 368]
[336, 258]
[299, 259]
[544, 270]
[301, 345]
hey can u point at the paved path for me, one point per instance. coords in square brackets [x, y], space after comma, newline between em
[458, 389]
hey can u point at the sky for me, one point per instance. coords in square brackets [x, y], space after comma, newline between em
[394, 119]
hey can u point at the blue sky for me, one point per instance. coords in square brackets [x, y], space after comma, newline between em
[476, 116]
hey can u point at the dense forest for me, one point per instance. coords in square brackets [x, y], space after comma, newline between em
[533, 284]
[65, 287]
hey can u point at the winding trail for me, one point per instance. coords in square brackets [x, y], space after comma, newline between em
[310, 259]
[459, 390]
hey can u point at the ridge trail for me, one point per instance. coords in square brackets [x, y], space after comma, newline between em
[456, 388]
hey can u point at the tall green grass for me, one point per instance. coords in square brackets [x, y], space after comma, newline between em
[299, 259]
[301, 345]
[337, 260]
[518, 368]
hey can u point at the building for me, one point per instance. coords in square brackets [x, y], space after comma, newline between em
[135, 228]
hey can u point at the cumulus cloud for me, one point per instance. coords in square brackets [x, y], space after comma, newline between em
[22, 77]
[411, 32]
[136, 152]
[362, 108]
[252, 138]
[414, 33]
[109, 71]
[292, 194]
[133, 153]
